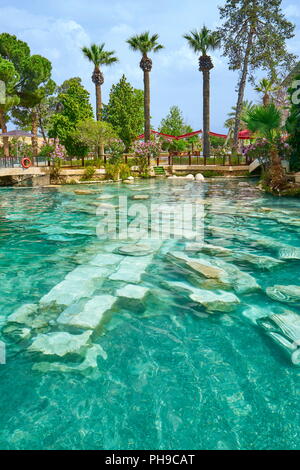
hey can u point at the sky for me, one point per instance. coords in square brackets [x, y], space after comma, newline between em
[57, 29]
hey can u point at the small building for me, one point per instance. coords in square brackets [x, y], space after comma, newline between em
[21, 136]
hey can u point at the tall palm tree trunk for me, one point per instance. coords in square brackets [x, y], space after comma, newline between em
[147, 105]
[4, 139]
[266, 99]
[100, 149]
[242, 87]
[206, 113]
[98, 102]
[277, 177]
[34, 130]
[98, 80]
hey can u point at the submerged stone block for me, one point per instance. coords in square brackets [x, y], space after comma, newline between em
[87, 272]
[285, 331]
[87, 314]
[131, 272]
[131, 291]
[260, 262]
[242, 282]
[135, 250]
[140, 197]
[218, 301]
[106, 197]
[90, 362]
[59, 344]
[205, 268]
[22, 314]
[69, 291]
[106, 259]
[285, 294]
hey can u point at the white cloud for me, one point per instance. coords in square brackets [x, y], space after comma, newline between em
[58, 39]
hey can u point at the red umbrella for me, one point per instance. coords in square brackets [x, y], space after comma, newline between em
[245, 135]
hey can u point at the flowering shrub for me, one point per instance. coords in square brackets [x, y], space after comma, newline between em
[115, 149]
[258, 150]
[284, 149]
[58, 153]
[261, 150]
[147, 149]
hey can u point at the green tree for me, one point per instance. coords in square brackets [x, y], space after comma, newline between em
[254, 34]
[144, 43]
[125, 111]
[10, 77]
[98, 56]
[33, 84]
[15, 51]
[173, 124]
[75, 108]
[266, 87]
[230, 121]
[94, 133]
[35, 87]
[204, 41]
[14, 55]
[266, 122]
[293, 126]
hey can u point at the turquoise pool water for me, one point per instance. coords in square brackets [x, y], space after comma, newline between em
[170, 372]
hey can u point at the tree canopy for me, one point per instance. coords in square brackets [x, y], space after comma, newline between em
[264, 22]
[174, 124]
[145, 43]
[203, 41]
[75, 108]
[125, 111]
[293, 125]
[98, 56]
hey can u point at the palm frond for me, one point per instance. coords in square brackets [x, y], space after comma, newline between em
[145, 43]
[203, 41]
[265, 120]
[98, 56]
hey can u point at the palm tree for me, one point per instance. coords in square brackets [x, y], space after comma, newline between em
[98, 56]
[144, 43]
[267, 87]
[204, 41]
[266, 122]
[246, 108]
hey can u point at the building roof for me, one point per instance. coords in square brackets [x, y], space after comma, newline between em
[16, 133]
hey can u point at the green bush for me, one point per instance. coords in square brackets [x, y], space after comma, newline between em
[124, 171]
[112, 171]
[88, 173]
[142, 164]
[117, 171]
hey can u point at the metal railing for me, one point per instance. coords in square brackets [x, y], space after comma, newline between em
[175, 158]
